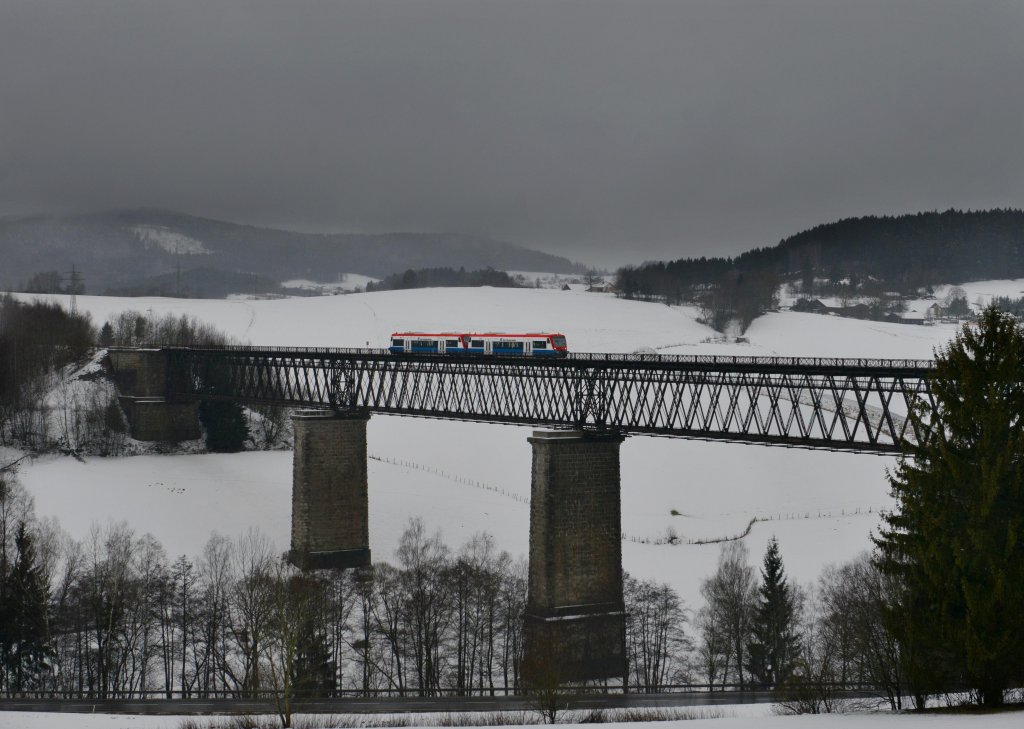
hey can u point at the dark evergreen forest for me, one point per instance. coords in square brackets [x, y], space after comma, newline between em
[893, 253]
[431, 277]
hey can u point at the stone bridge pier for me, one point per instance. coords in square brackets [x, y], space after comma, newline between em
[575, 616]
[330, 507]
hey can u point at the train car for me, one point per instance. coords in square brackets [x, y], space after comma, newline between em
[425, 343]
[540, 344]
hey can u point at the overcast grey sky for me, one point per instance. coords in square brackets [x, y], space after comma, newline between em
[608, 131]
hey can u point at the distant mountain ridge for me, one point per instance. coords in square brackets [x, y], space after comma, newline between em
[135, 248]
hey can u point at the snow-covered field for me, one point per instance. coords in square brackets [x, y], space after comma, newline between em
[727, 717]
[462, 478]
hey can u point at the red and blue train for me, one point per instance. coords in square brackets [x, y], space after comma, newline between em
[492, 343]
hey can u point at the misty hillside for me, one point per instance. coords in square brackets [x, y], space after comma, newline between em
[904, 252]
[142, 251]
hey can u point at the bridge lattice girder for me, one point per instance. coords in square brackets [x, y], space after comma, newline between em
[805, 402]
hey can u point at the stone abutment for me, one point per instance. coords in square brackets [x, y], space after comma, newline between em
[141, 379]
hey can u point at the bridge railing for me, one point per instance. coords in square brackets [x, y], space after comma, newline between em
[585, 357]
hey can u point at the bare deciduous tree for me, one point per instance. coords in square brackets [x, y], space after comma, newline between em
[731, 597]
[658, 645]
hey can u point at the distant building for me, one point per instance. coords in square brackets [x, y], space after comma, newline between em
[854, 311]
[812, 306]
[604, 288]
[857, 311]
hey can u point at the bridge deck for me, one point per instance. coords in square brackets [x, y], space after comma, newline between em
[850, 404]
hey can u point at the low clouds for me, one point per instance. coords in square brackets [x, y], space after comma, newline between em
[607, 131]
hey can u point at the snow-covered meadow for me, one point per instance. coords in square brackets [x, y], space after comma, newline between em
[463, 478]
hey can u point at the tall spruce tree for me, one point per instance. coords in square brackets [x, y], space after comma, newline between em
[29, 649]
[313, 666]
[775, 643]
[956, 537]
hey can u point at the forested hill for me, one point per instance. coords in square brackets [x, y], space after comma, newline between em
[905, 252]
[138, 250]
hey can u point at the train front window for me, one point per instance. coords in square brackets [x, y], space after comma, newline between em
[558, 341]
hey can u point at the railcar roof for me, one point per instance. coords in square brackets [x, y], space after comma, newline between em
[476, 334]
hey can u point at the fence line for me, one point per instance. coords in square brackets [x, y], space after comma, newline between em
[670, 538]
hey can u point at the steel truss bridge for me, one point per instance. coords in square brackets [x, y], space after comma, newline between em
[843, 404]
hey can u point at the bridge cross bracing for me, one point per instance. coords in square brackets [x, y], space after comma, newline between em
[843, 404]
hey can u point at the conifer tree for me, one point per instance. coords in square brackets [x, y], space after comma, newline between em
[775, 643]
[314, 667]
[956, 537]
[225, 424]
[27, 600]
[106, 338]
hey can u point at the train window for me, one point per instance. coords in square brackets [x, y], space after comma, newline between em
[540, 344]
[509, 346]
[452, 343]
[397, 342]
[558, 341]
[424, 344]
[477, 343]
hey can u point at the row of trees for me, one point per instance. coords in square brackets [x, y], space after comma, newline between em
[807, 643]
[115, 616]
[421, 278]
[135, 329]
[53, 282]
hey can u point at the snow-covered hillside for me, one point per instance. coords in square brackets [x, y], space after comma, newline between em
[463, 478]
[170, 241]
